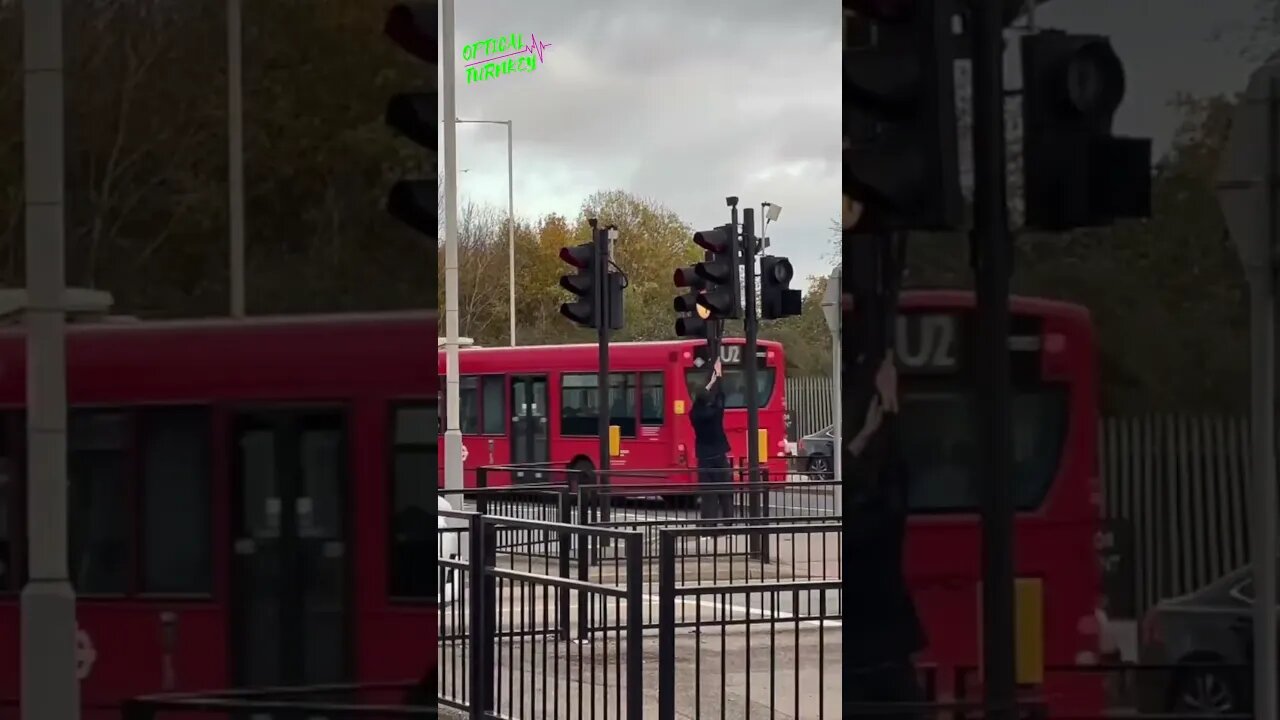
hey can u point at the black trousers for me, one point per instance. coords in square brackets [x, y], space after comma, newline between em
[716, 471]
[892, 682]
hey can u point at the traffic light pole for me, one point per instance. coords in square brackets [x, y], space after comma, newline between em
[601, 239]
[750, 328]
[992, 257]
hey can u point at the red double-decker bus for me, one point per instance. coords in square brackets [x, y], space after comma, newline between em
[1057, 493]
[538, 404]
[248, 503]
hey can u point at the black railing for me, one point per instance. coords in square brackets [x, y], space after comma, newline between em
[789, 626]
[521, 637]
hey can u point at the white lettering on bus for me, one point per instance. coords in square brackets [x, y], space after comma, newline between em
[933, 344]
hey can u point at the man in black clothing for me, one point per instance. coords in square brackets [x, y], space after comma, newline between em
[711, 445]
[880, 617]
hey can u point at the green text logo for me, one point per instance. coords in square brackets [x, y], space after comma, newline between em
[503, 55]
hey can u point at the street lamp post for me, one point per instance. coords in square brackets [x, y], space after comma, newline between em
[235, 156]
[49, 684]
[511, 223]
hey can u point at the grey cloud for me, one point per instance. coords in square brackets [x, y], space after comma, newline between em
[683, 101]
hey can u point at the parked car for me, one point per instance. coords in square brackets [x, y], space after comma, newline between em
[448, 549]
[1203, 641]
[818, 449]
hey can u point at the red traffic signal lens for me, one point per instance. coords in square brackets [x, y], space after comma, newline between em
[716, 241]
[687, 277]
[579, 256]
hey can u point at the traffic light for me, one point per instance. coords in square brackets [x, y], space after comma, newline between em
[693, 316]
[585, 311]
[582, 282]
[721, 291]
[1076, 173]
[412, 26]
[900, 157]
[777, 299]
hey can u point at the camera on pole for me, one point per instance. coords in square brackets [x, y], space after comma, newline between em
[412, 26]
[1077, 173]
[900, 158]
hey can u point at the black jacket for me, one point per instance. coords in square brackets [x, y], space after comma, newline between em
[880, 620]
[707, 417]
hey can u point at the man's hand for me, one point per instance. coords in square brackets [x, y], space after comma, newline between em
[718, 368]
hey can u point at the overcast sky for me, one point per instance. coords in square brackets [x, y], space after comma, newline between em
[687, 101]
[682, 101]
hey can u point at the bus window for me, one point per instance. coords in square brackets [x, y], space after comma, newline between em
[939, 442]
[578, 404]
[9, 505]
[735, 385]
[653, 398]
[578, 414]
[469, 404]
[413, 467]
[98, 501]
[622, 402]
[494, 389]
[177, 530]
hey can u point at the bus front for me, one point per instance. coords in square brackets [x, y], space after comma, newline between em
[770, 390]
[1054, 422]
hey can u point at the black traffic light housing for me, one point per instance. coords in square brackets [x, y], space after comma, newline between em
[412, 26]
[1077, 174]
[720, 271]
[584, 282]
[900, 153]
[777, 299]
[692, 320]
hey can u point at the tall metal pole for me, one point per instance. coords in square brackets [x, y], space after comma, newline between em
[50, 688]
[1265, 405]
[511, 233]
[835, 317]
[750, 328]
[600, 237]
[452, 433]
[993, 259]
[235, 156]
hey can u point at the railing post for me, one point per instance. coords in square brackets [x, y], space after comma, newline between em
[482, 481]
[565, 552]
[666, 625]
[584, 575]
[635, 626]
[479, 636]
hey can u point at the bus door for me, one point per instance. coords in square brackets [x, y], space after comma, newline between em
[291, 618]
[530, 440]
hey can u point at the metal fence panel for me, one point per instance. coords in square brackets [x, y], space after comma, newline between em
[1181, 482]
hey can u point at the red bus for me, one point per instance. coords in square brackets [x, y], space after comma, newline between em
[248, 503]
[1057, 495]
[537, 404]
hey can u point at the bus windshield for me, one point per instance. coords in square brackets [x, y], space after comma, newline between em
[735, 385]
[939, 442]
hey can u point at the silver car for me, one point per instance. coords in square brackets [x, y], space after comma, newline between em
[1201, 646]
[818, 449]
